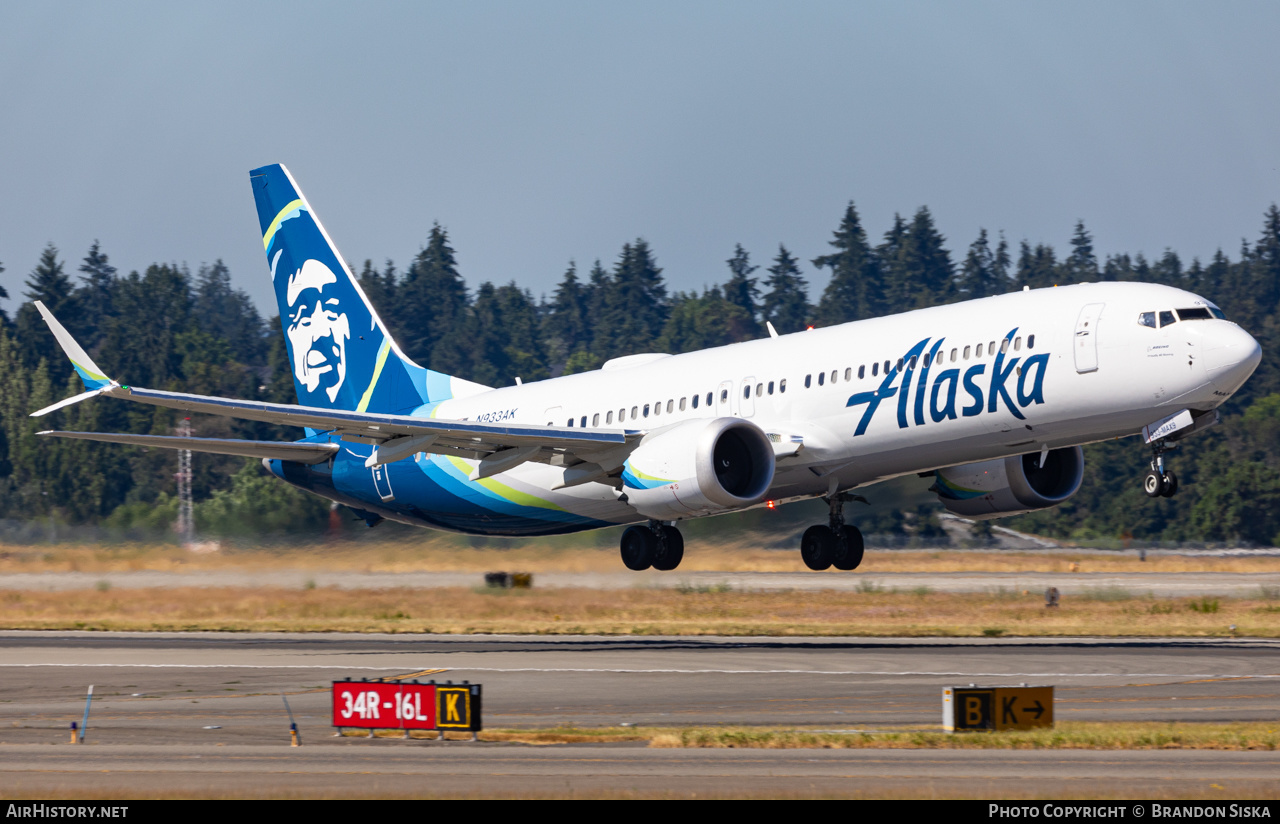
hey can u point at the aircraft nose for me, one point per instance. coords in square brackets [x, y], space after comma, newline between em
[1230, 356]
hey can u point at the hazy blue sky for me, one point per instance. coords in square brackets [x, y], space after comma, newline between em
[536, 132]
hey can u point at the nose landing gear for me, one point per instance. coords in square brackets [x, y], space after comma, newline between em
[838, 544]
[1159, 482]
[656, 545]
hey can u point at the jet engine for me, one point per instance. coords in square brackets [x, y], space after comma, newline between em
[1010, 486]
[699, 467]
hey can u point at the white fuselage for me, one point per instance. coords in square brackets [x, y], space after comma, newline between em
[1102, 375]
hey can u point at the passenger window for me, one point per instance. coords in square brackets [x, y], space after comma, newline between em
[862, 372]
[926, 359]
[835, 375]
[848, 373]
[913, 362]
[595, 419]
[657, 408]
[709, 397]
[955, 353]
[1166, 319]
[636, 409]
[724, 395]
[770, 387]
[782, 385]
[966, 353]
[670, 407]
[1017, 343]
[822, 378]
[1004, 346]
[808, 381]
[899, 365]
[875, 369]
[1031, 341]
[608, 417]
[695, 400]
[570, 423]
[646, 410]
[1198, 313]
[759, 390]
[991, 348]
[584, 422]
[886, 367]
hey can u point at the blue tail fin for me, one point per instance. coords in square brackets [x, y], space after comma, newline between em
[340, 351]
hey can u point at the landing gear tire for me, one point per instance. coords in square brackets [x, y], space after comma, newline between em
[848, 548]
[1153, 484]
[818, 548]
[1169, 485]
[639, 547]
[670, 549]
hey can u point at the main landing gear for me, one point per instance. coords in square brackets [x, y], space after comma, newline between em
[838, 544]
[656, 545]
[1159, 482]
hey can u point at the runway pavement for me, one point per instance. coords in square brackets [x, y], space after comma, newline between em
[201, 713]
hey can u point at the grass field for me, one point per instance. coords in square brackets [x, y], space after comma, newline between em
[687, 611]
[579, 553]
[1069, 735]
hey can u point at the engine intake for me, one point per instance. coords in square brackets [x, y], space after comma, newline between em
[1011, 486]
[699, 467]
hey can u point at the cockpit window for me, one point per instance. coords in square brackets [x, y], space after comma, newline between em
[1198, 313]
[1167, 319]
[1217, 313]
[1147, 319]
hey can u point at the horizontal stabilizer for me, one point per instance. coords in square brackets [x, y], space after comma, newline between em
[307, 453]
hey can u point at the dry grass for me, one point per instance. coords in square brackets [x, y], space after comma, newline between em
[1069, 735]
[635, 612]
[581, 553]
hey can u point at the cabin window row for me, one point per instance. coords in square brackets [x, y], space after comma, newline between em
[957, 354]
[671, 405]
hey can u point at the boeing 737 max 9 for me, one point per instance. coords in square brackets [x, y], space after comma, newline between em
[992, 396]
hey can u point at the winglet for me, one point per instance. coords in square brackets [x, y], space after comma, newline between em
[89, 371]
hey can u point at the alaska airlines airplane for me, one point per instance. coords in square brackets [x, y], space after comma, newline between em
[991, 397]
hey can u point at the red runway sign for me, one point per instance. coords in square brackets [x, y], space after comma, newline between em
[382, 706]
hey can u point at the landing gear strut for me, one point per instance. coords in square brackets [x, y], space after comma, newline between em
[837, 544]
[656, 545]
[1159, 482]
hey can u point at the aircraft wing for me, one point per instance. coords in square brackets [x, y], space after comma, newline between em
[307, 453]
[497, 447]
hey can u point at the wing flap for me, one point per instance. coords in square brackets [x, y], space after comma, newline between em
[307, 453]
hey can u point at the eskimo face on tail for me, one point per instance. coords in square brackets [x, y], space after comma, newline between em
[317, 328]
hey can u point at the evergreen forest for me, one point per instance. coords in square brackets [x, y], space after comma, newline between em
[170, 328]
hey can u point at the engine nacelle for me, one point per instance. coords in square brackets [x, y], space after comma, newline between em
[699, 467]
[1011, 486]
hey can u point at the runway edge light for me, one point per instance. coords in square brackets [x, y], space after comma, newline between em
[1022, 707]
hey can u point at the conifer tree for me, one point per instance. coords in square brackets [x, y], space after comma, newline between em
[741, 291]
[433, 305]
[4, 317]
[98, 278]
[566, 327]
[227, 313]
[50, 284]
[979, 275]
[1037, 267]
[925, 264]
[856, 290]
[1081, 265]
[895, 290]
[634, 309]
[786, 304]
[703, 322]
